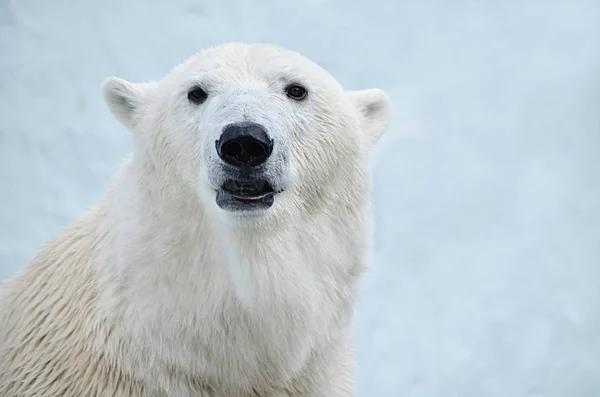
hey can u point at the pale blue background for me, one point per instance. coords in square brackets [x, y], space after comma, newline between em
[486, 279]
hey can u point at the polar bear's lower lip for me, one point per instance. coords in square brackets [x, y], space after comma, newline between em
[250, 198]
[233, 203]
[248, 190]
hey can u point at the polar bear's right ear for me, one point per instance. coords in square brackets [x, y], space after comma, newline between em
[127, 101]
[375, 112]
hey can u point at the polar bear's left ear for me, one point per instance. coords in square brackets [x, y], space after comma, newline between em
[127, 101]
[375, 111]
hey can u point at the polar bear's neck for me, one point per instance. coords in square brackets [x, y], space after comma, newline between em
[170, 233]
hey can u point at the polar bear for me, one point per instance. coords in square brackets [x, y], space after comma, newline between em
[224, 259]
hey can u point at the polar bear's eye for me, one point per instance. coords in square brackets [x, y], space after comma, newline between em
[296, 92]
[197, 95]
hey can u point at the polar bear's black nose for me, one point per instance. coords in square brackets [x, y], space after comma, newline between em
[244, 145]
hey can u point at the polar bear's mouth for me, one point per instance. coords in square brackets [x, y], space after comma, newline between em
[248, 190]
[248, 195]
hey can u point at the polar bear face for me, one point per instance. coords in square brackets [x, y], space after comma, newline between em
[253, 130]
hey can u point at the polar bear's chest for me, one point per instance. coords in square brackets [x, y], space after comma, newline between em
[238, 347]
[243, 318]
[271, 320]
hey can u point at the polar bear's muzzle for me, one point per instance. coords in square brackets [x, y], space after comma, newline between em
[250, 172]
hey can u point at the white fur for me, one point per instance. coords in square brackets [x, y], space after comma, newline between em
[159, 292]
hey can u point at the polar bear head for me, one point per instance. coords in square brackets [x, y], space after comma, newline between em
[253, 131]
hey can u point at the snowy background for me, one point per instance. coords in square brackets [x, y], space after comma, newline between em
[486, 279]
